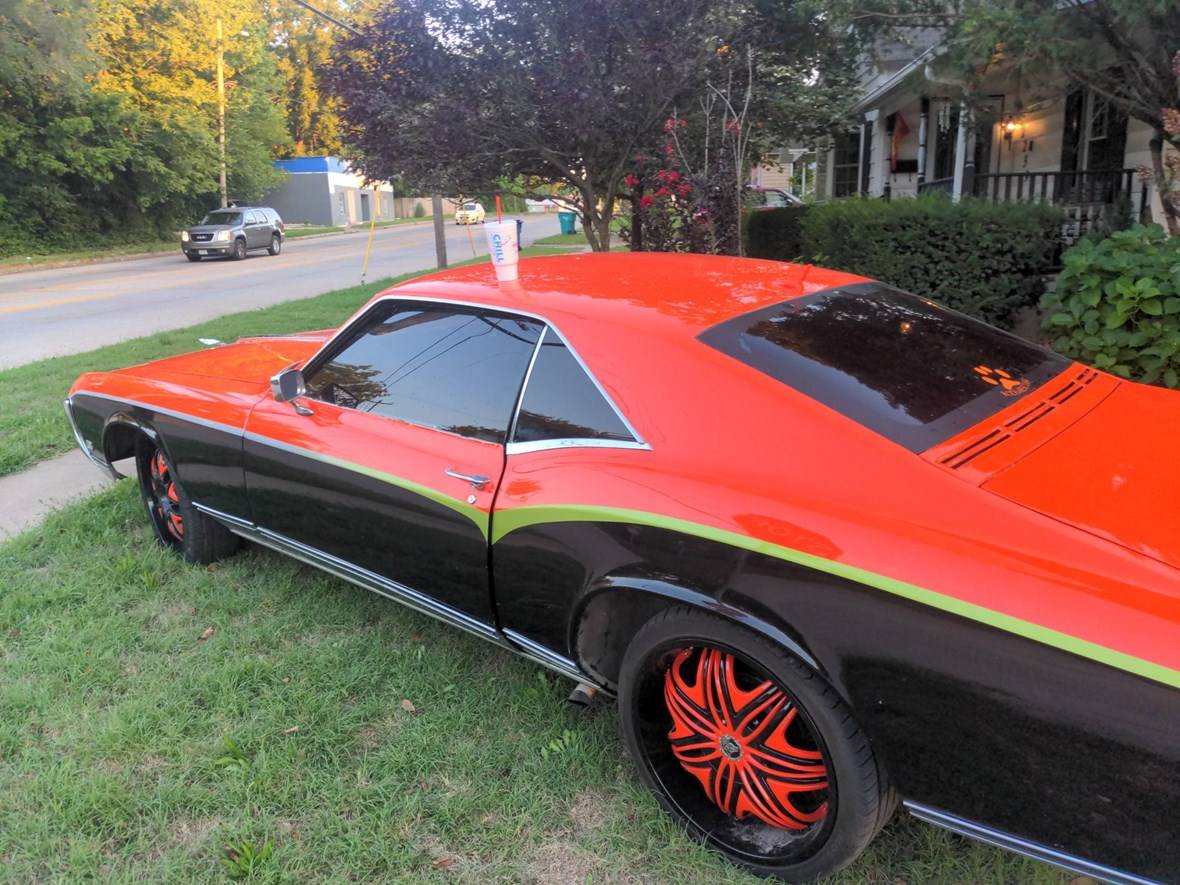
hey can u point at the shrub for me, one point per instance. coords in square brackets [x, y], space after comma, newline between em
[1117, 305]
[985, 259]
[419, 210]
[775, 233]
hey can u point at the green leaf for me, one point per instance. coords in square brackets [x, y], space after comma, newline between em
[1152, 307]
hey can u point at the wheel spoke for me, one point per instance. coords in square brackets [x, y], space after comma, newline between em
[735, 741]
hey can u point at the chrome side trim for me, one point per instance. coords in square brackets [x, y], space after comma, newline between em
[356, 318]
[230, 521]
[540, 445]
[1025, 847]
[545, 656]
[85, 445]
[160, 410]
[367, 579]
[420, 602]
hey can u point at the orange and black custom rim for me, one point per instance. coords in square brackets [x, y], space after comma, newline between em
[735, 754]
[164, 499]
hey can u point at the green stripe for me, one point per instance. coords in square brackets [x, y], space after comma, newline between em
[507, 521]
[476, 515]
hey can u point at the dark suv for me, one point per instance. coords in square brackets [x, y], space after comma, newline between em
[234, 231]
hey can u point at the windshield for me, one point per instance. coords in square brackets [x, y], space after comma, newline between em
[469, 207]
[912, 370]
[223, 217]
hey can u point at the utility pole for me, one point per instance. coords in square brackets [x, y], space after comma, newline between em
[440, 232]
[222, 187]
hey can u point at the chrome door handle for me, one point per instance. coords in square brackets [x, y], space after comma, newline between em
[477, 481]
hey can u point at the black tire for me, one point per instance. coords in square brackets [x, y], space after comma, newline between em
[276, 245]
[850, 796]
[178, 525]
[239, 252]
[192, 257]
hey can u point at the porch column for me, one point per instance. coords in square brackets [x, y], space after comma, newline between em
[923, 128]
[961, 152]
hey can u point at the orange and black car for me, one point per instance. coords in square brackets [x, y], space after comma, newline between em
[832, 546]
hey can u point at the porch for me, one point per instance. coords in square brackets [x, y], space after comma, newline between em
[1086, 196]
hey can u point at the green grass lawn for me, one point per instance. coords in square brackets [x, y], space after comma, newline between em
[153, 713]
[32, 424]
[575, 239]
[38, 259]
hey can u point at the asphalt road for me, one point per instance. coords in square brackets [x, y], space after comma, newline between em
[67, 310]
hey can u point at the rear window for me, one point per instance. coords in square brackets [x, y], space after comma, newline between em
[911, 370]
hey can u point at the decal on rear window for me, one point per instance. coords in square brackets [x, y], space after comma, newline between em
[912, 370]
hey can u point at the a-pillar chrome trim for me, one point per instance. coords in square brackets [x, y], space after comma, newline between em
[1017, 845]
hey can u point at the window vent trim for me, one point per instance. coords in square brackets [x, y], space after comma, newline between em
[1045, 407]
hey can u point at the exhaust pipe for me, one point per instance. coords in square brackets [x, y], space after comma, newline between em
[582, 695]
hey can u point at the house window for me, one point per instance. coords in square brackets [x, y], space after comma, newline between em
[846, 164]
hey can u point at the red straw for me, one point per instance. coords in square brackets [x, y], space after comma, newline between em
[499, 214]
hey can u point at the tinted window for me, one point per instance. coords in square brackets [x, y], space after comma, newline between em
[561, 402]
[911, 370]
[458, 371]
[223, 218]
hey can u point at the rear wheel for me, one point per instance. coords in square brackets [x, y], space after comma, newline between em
[748, 747]
[239, 250]
[177, 523]
[276, 245]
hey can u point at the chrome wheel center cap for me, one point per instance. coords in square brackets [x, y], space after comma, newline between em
[730, 747]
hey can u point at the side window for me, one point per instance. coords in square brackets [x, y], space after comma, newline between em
[447, 368]
[561, 402]
[251, 218]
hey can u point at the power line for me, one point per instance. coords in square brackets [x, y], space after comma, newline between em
[337, 22]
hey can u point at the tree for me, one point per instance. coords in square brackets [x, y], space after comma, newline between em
[1122, 50]
[302, 45]
[455, 94]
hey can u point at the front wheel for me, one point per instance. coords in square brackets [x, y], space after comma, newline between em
[748, 747]
[239, 250]
[276, 245]
[192, 257]
[177, 523]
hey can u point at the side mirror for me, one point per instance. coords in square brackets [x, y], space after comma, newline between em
[287, 385]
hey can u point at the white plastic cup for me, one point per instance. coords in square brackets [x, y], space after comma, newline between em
[503, 247]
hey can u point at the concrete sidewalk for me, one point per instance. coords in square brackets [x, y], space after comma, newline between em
[27, 498]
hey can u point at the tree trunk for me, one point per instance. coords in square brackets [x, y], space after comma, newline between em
[1162, 180]
[637, 219]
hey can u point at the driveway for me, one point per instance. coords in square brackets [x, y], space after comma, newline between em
[47, 313]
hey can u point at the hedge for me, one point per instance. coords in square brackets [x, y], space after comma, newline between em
[775, 233]
[1116, 305]
[986, 259]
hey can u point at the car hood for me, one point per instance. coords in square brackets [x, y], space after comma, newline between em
[209, 228]
[250, 359]
[1114, 473]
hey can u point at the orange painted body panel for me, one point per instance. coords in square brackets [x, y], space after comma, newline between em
[733, 449]
[1115, 473]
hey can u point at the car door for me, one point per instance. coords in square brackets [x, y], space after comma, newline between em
[255, 230]
[391, 462]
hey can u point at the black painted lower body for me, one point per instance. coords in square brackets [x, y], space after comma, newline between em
[989, 726]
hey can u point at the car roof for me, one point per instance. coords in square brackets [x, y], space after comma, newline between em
[675, 294]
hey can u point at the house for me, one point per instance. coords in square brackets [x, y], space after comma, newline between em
[323, 190]
[1013, 141]
[790, 169]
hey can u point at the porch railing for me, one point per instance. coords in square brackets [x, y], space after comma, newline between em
[1061, 188]
[938, 186]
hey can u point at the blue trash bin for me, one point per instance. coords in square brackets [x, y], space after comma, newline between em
[567, 222]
